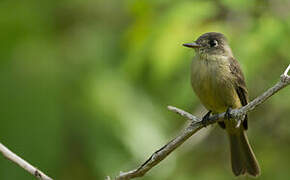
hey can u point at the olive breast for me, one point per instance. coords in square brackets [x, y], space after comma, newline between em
[211, 81]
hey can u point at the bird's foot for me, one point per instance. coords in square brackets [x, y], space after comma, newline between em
[228, 116]
[228, 113]
[205, 118]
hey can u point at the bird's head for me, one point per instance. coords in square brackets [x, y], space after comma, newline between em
[211, 43]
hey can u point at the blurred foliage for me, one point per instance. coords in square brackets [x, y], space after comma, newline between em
[85, 85]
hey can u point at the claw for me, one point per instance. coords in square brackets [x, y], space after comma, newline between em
[205, 118]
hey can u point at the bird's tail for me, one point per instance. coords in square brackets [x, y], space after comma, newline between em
[242, 156]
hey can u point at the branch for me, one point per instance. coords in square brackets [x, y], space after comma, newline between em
[22, 163]
[196, 125]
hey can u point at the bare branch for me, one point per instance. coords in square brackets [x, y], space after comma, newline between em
[196, 125]
[22, 163]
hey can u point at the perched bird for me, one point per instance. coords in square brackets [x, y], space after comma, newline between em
[218, 81]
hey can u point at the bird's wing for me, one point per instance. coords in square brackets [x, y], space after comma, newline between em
[240, 85]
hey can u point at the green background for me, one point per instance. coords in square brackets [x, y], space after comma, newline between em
[85, 85]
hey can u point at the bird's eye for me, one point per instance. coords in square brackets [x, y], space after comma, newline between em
[213, 43]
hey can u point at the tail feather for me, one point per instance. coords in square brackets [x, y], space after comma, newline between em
[236, 156]
[242, 156]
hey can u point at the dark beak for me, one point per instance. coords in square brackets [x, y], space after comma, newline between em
[192, 45]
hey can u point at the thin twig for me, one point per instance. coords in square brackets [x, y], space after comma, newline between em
[22, 163]
[196, 125]
[286, 71]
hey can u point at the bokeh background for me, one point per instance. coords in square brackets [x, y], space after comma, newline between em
[85, 85]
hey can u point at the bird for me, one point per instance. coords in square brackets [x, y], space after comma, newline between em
[218, 81]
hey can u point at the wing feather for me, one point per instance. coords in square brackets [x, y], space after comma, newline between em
[240, 85]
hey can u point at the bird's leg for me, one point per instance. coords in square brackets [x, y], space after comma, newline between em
[205, 118]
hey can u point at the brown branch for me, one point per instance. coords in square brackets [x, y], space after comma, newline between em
[22, 163]
[196, 125]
